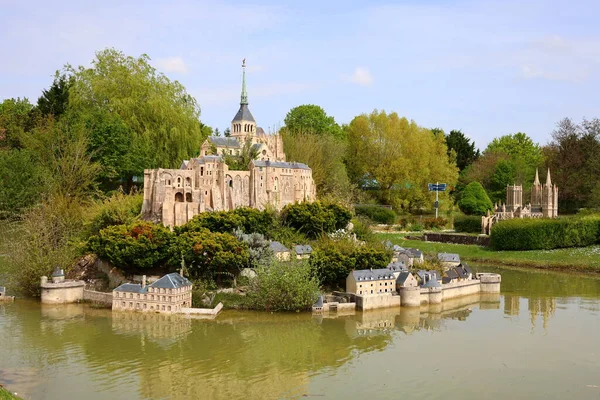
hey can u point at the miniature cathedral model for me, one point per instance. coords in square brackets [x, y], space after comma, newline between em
[205, 183]
[544, 203]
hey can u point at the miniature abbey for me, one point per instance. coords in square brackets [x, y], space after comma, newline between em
[206, 183]
[544, 204]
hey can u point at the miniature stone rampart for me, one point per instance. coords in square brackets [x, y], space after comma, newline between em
[377, 301]
[98, 297]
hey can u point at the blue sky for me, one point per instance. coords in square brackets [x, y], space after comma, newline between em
[486, 67]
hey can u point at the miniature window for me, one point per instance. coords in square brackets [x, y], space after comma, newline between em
[188, 197]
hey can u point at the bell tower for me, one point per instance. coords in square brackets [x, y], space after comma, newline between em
[243, 124]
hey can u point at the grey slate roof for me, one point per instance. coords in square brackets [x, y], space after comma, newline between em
[467, 268]
[280, 164]
[169, 281]
[414, 253]
[224, 141]
[303, 249]
[461, 272]
[397, 266]
[448, 257]
[422, 273]
[452, 274]
[397, 249]
[260, 131]
[243, 114]
[372, 274]
[277, 247]
[402, 277]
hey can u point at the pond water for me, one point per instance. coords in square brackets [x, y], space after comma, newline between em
[539, 338]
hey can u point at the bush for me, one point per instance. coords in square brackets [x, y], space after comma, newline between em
[416, 227]
[362, 230]
[378, 214]
[137, 245]
[119, 209]
[468, 224]
[314, 219]
[474, 200]
[431, 223]
[249, 220]
[545, 234]
[284, 286]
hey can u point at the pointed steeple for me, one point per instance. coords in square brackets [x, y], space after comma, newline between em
[548, 181]
[537, 178]
[244, 99]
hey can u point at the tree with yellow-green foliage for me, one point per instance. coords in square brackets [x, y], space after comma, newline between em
[398, 157]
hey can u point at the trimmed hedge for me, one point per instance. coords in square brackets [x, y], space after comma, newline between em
[468, 224]
[545, 234]
[381, 215]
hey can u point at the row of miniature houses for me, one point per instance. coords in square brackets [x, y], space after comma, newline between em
[282, 253]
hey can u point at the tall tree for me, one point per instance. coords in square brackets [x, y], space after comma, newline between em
[524, 153]
[400, 156]
[310, 118]
[15, 119]
[162, 119]
[55, 100]
[463, 148]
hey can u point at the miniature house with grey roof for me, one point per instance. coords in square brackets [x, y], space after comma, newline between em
[397, 267]
[280, 252]
[406, 279]
[448, 260]
[425, 276]
[169, 294]
[411, 256]
[371, 282]
[303, 251]
[450, 276]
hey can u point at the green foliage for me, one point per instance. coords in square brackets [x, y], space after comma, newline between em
[474, 200]
[310, 118]
[415, 227]
[378, 214]
[242, 161]
[461, 147]
[467, 223]
[160, 116]
[333, 260]
[288, 236]
[55, 100]
[362, 229]
[314, 219]
[15, 119]
[435, 223]
[259, 249]
[21, 182]
[545, 234]
[400, 157]
[247, 219]
[207, 253]
[137, 245]
[284, 286]
[119, 209]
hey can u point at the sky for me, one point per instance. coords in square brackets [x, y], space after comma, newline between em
[489, 68]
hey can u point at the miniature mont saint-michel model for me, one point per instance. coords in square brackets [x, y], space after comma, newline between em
[544, 204]
[206, 183]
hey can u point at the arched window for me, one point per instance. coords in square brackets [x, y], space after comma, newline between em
[188, 197]
[178, 181]
[188, 181]
[178, 197]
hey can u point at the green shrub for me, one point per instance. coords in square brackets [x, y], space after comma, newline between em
[249, 220]
[378, 214]
[138, 245]
[314, 219]
[119, 209]
[431, 223]
[362, 229]
[283, 286]
[545, 234]
[474, 200]
[416, 227]
[467, 223]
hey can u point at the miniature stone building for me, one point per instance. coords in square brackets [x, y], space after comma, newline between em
[61, 290]
[371, 281]
[544, 204]
[280, 252]
[169, 294]
[448, 260]
[205, 183]
[303, 251]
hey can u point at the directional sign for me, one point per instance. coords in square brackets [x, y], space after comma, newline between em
[437, 187]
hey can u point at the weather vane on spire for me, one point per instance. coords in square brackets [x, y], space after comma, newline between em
[244, 63]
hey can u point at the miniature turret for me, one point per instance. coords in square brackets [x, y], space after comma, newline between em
[58, 275]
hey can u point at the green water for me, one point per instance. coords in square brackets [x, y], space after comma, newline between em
[539, 338]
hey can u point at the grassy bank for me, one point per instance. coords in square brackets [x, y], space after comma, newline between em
[6, 395]
[582, 259]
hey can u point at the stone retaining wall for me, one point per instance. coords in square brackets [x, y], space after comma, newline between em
[98, 297]
[457, 238]
[377, 301]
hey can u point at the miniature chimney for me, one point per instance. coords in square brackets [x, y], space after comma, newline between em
[143, 281]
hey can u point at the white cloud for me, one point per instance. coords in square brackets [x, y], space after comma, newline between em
[361, 76]
[172, 64]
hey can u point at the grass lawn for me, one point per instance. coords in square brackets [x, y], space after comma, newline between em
[6, 395]
[583, 259]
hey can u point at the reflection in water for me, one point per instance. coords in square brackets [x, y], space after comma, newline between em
[48, 351]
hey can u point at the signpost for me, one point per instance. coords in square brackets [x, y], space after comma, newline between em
[436, 187]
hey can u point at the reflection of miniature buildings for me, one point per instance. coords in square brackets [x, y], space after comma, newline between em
[161, 328]
[280, 252]
[61, 290]
[448, 260]
[3, 296]
[303, 251]
[169, 294]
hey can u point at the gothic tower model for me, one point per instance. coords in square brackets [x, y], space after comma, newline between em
[206, 183]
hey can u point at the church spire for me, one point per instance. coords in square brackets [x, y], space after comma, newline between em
[537, 178]
[548, 181]
[244, 99]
